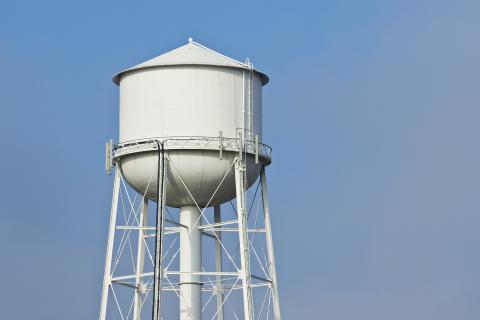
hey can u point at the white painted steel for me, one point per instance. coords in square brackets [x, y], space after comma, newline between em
[243, 240]
[193, 53]
[190, 262]
[218, 261]
[205, 111]
[111, 236]
[140, 289]
[191, 91]
[190, 250]
[182, 100]
[218, 144]
[269, 240]
[200, 170]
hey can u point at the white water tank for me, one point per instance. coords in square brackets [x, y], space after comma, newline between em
[192, 99]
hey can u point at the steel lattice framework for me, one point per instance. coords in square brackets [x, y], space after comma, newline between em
[142, 278]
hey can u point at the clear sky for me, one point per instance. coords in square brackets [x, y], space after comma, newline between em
[373, 112]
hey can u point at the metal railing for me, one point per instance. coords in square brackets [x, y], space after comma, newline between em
[193, 143]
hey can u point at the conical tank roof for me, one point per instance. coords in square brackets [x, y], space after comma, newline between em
[193, 53]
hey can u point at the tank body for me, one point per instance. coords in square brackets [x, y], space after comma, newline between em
[189, 99]
[196, 100]
[201, 171]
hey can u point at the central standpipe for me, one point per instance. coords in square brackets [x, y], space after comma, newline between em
[190, 264]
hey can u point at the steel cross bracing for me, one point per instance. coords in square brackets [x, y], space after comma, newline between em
[239, 284]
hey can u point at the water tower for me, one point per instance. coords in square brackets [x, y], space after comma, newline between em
[190, 142]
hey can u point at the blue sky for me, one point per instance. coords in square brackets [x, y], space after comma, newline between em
[372, 111]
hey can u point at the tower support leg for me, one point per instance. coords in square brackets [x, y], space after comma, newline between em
[218, 262]
[243, 240]
[142, 223]
[190, 263]
[110, 241]
[271, 257]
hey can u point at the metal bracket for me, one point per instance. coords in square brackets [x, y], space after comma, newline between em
[240, 146]
[220, 144]
[109, 156]
[256, 149]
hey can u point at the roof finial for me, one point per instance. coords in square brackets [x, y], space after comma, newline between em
[190, 40]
